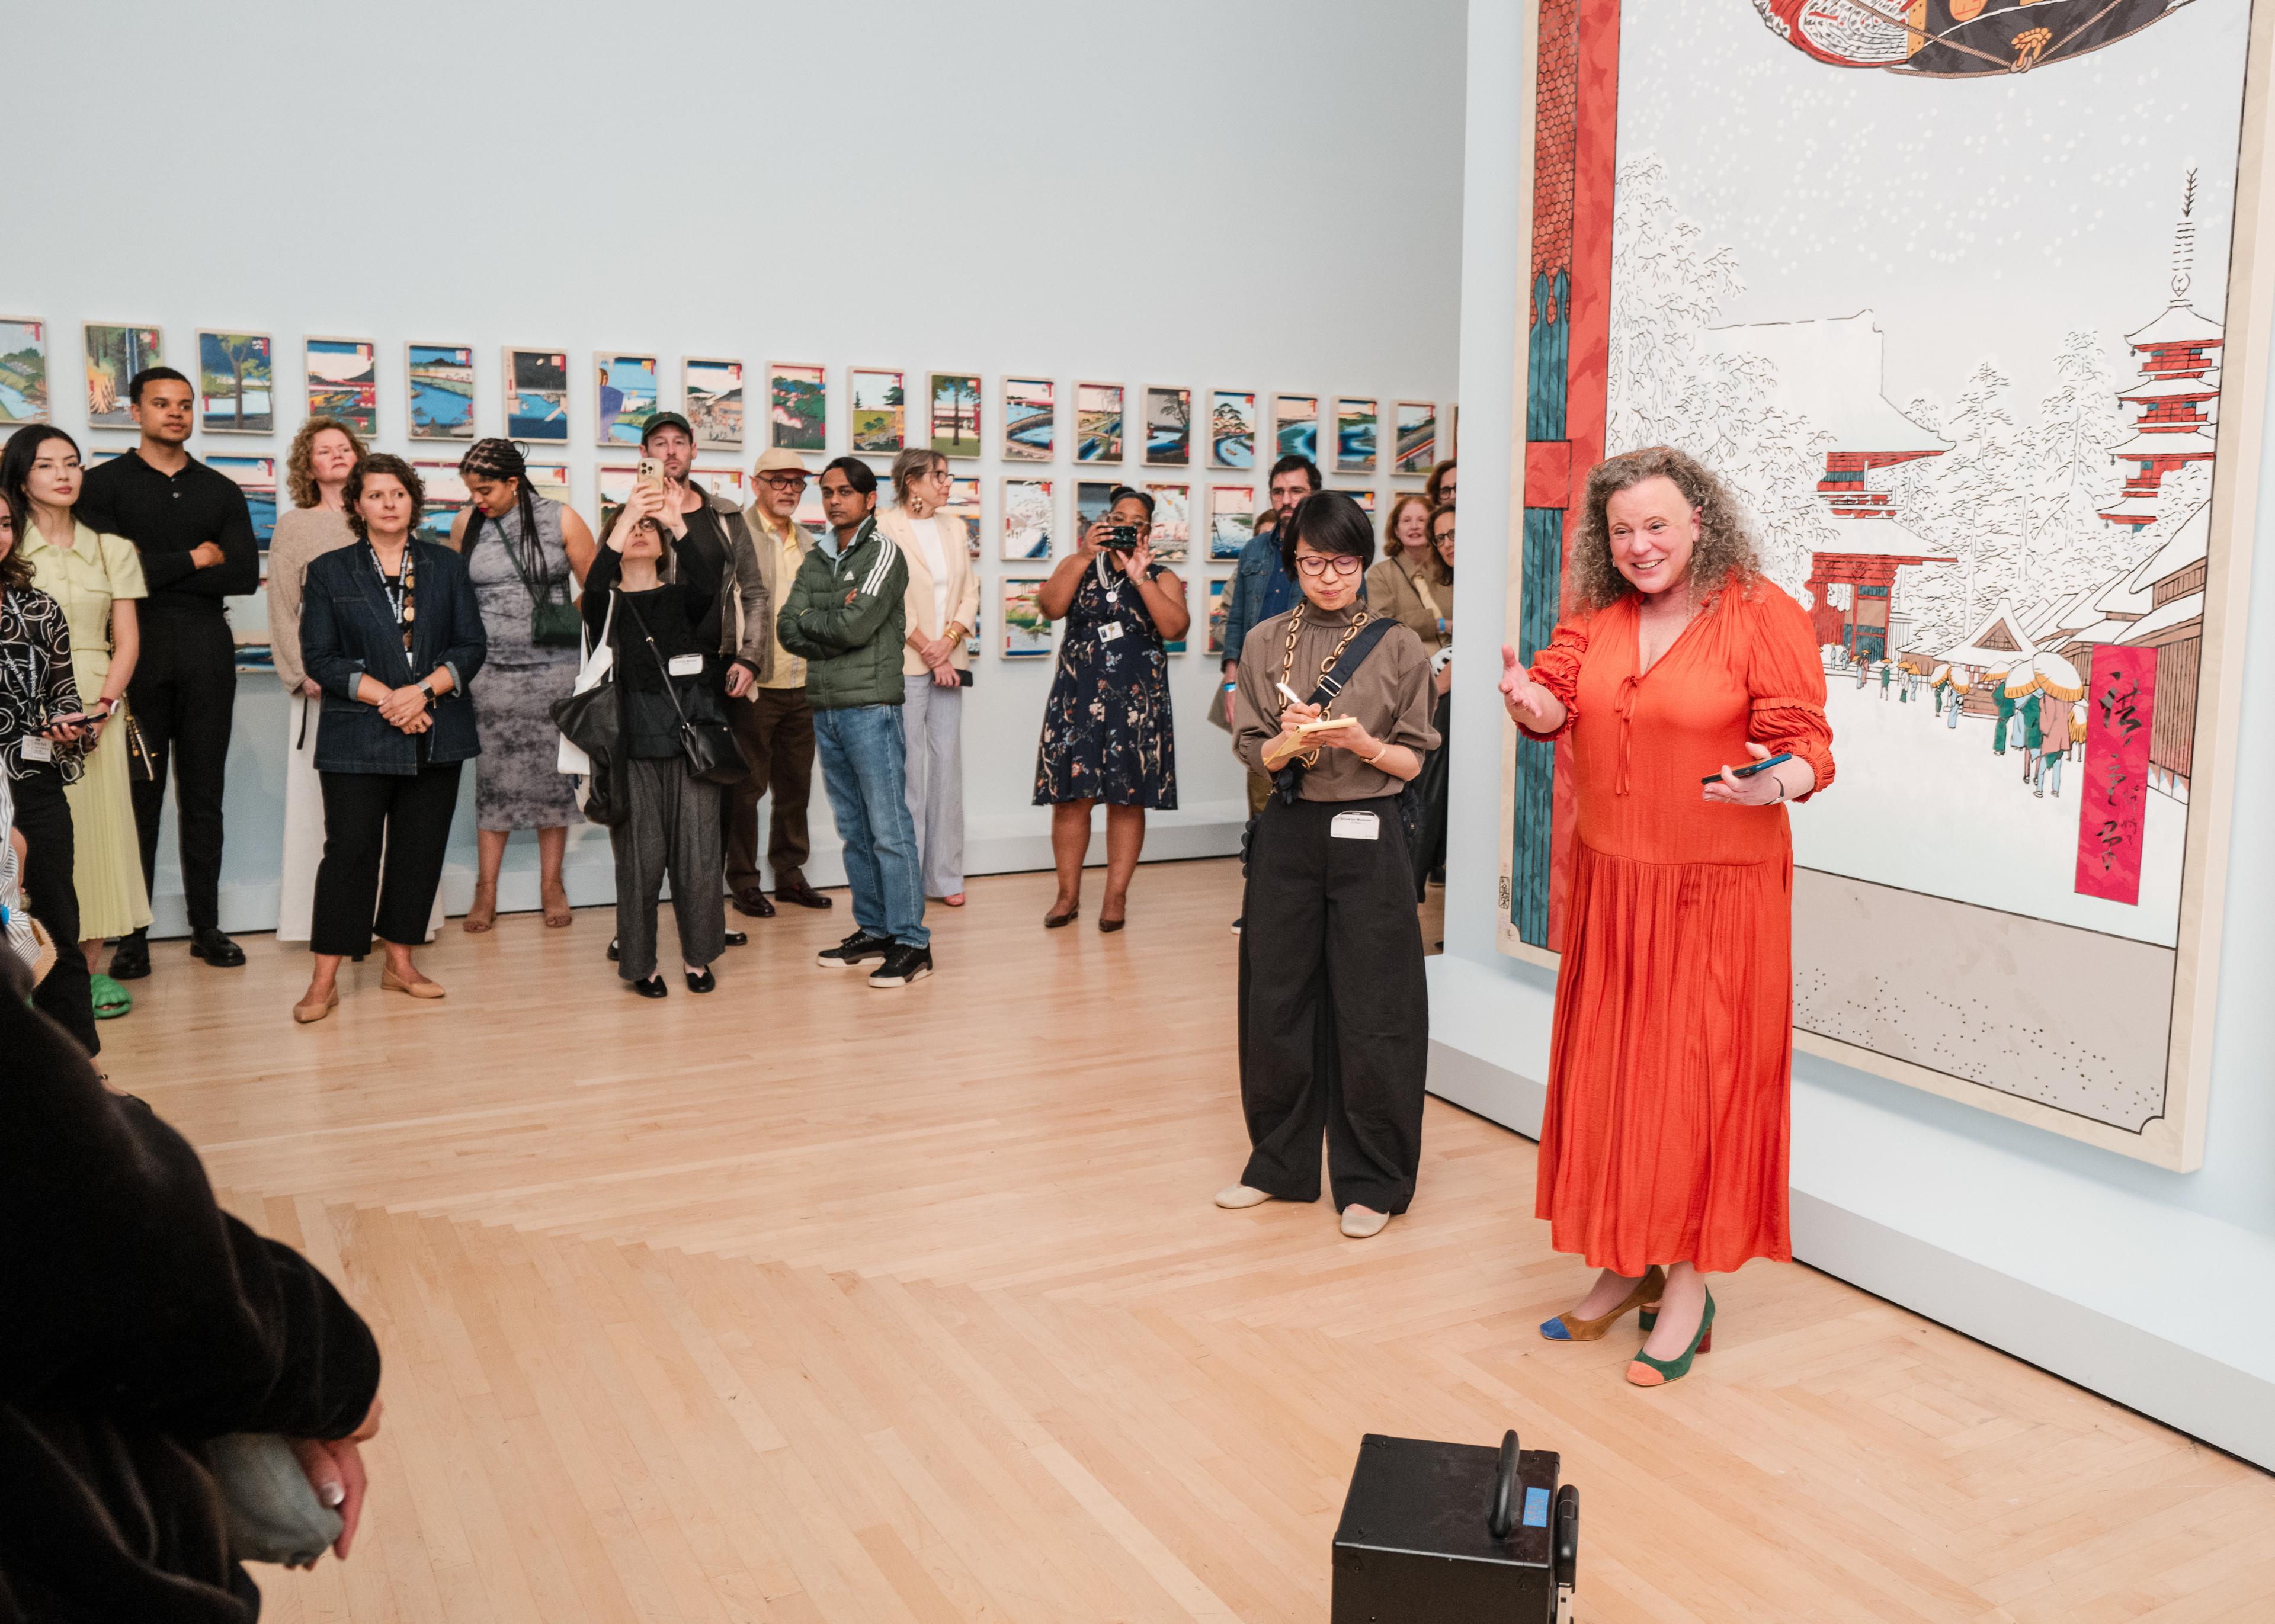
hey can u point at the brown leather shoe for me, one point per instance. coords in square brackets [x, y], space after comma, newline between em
[798, 891]
[752, 901]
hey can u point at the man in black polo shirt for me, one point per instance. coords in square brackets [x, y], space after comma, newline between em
[195, 536]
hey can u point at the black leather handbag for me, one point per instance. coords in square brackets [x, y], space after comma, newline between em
[712, 753]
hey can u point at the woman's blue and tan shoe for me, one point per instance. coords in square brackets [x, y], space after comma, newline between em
[1649, 1372]
[1566, 1329]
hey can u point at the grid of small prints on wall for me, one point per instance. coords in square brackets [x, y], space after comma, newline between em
[1114, 432]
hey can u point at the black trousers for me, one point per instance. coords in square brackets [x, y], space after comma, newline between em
[183, 695]
[776, 727]
[43, 817]
[406, 816]
[1334, 1012]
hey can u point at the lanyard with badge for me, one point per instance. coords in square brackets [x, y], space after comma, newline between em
[1108, 631]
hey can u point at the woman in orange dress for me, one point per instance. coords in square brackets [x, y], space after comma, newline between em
[1663, 1147]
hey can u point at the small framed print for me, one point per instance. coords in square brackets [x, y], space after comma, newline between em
[1217, 583]
[877, 402]
[626, 394]
[1028, 514]
[798, 407]
[114, 355]
[537, 396]
[1231, 520]
[1177, 645]
[256, 477]
[1031, 420]
[22, 371]
[1418, 437]
[1026, 629]
[343, 382]
[1354, 435]
[1365, 499]
[963, 505]
[1296, 426]
[1173, 523]
[1232, 430]
[955, 407]
[712, 392]
[1098, 436]
[1168, 427]
[1093, 500]
[441, 401]
[236, 384]
[447, 497]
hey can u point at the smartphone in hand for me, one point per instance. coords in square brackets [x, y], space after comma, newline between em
[1750, 768]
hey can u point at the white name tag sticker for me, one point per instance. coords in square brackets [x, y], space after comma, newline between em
[1356, 826]
[37, 749]
[1111, 632]
[685, 665]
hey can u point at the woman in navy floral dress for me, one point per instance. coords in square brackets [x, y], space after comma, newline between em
[1107, 733]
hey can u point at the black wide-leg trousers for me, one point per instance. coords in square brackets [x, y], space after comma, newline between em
[183, 696]
[52, 895]
[1335, 1011]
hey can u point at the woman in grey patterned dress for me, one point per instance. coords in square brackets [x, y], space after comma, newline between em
[521, 549]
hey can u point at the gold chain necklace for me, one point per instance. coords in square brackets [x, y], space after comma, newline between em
[1311, 757]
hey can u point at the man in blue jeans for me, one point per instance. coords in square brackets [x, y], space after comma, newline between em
[843, 616]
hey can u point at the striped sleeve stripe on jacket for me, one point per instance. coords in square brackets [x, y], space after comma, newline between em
[886, 551]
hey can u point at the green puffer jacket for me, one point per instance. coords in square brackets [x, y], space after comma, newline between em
[844, 618]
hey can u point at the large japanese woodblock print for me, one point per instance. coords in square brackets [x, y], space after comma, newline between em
[1968, 300]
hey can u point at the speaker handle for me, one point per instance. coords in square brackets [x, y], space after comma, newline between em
[1568, 1536]
[1500, 1516]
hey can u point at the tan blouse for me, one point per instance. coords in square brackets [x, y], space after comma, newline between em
[1415, 598]
[1390, 694]
[303, 535]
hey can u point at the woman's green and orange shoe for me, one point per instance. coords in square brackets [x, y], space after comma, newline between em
[1649, 1372]
[1566, 1329]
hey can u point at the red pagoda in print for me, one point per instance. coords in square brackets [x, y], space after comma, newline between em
[2179, 363]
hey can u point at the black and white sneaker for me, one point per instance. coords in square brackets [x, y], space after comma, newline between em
[901, 965]
[859, 949]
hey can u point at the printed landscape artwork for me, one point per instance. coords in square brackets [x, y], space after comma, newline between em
[612, 482]
[1026, 630]
[1418, 437]
[963, 505]
[956, 414]
[1027, 515]
[624, 397]
[114, 355]
[1173, 522]
[1030, 420]
[797, 406]
[256, 477]
[1168, 427]
[1232, 520]
[22, 371]
[1232, 430]
[713, 391]
[343, 382]
[1997, 427]
[1355, 421]
[1214, 648]
[1177, 645]
[879, 407]
[1296, 426]
[1364, 498]
[236, 378]
[1098, 423]
[447, 497]
[549, 481]
[442, 391]
[537, 396]
[1093, 500]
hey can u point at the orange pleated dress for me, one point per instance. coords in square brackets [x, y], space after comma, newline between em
[1664, 1136]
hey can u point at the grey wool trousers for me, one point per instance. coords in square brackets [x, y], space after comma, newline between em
[671, 826]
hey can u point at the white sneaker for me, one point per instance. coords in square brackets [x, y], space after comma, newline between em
[1239, 1195]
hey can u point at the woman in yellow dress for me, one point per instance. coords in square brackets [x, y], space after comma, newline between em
[96, 579]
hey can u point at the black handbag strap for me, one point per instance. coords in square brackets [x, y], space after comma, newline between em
[662, 666]
[1337, 678]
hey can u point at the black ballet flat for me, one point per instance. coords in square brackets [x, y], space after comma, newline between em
[1108, 927]
[612, 950]
[654, 986]
[704, 983]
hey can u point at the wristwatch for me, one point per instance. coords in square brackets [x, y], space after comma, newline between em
[430, 692]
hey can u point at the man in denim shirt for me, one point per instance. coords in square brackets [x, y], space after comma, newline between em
[1260, 587]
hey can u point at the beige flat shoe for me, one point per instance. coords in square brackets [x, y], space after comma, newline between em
[309, 1013]
[389, 982]
[1361, 1223]
[1236, 1196]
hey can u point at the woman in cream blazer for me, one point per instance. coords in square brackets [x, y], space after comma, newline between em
[942, 608]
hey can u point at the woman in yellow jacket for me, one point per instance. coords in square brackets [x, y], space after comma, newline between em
[943, 608]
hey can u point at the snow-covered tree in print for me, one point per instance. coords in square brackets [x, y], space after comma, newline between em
[1973, 409]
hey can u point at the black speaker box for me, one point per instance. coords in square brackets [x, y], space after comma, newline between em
[1449, 1533]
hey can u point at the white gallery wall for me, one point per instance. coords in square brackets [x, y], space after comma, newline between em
[1263, 196]
[2136, 1282]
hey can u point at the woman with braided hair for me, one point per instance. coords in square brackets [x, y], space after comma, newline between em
[526, 557]
[1334, 706]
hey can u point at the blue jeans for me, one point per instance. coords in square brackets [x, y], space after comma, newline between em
[864, 754]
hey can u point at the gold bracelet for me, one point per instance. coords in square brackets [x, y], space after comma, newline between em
[1374, 759]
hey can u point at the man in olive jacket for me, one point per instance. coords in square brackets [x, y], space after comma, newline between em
[843, 617]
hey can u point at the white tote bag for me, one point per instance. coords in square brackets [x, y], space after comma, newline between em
[599, 658]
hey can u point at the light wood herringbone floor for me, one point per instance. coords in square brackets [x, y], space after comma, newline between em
[805, 1301]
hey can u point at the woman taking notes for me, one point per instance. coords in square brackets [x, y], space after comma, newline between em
[1663, 1147]
[390, 630]
[1334, 1023]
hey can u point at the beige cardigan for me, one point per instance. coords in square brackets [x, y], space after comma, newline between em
[962, 588]
[1391, 590]
[303, 535]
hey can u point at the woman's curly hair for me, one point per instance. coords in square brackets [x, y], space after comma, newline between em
[384, 462]
[1724, 555]
[301, 464]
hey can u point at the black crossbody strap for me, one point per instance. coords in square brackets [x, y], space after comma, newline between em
[661, 665]
[1335, 681]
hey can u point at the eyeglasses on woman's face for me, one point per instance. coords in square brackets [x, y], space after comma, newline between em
[1317, 565]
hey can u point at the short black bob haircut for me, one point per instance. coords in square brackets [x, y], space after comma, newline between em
[1294, 464]
[1332, 523]
[386, 463]
[149, 375]
[1115, 497]
[857, 475]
